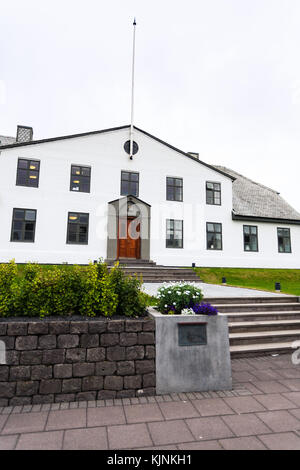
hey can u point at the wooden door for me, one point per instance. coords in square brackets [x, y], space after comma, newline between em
[128, 247]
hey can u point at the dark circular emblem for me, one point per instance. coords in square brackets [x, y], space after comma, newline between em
[135, 147]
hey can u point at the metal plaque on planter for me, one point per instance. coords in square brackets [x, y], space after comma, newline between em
[192, 334]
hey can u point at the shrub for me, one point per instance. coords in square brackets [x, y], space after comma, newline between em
[8, 275]
[68, 290]
[176, 297]
[131, 300]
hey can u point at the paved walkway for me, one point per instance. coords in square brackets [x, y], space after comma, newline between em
[262, 412]
[214, 290]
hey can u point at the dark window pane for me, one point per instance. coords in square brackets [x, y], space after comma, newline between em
[28, 173]
[213, 193]
[23, 225]
[174, 189]
[23, 163]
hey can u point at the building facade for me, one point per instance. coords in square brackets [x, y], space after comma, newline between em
[79, 198]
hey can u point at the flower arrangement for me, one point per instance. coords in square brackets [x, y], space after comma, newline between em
[173, 298]
[184, 299]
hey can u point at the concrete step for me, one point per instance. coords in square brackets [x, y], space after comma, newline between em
[261, 349]
[265, 337]
[273, 325]
[262, 316]
[252, 300]
[262, 307]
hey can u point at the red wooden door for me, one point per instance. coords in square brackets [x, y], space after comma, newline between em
[129, 238]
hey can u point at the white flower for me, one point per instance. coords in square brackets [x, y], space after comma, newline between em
[166, 305]
[174, 303]
[187, 311]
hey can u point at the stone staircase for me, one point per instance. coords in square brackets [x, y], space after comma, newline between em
[261, 325]
[150, 272]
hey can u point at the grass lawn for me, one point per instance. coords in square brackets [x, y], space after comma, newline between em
[262, 279]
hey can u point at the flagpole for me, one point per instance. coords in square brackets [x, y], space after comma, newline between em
[132, 92]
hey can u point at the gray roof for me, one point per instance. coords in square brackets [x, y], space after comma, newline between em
[256, 200]
[7, 140]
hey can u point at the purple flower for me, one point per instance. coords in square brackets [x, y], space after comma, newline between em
[204, 309]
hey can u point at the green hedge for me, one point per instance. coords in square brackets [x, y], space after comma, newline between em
[91, 290]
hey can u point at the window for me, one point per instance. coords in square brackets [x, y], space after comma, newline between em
[78, 228]
[250, 238]
[80, 179]
[23, 225]
[284, 240]
[129, 183]
[28, 173]
[174, 233]
[213, 193]
[214, 236]
[174, 189]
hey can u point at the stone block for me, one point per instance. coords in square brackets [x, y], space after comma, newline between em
[125, 368]
[71, 385]
[92, 383]
[62, 371]
[17, 329]
[109, 339]
[9, 342]
[115, 353]
[31, 357]
[41, 399]
[146, 338]
[13, 358]
[59, 327]
[19, 373]
[3, 329]
[144, 367]
[106, 368]
[75, 355]
[7, 389]
[150, 352]
[86, 396]
[89, 340]
[41, 372]
[83, 369]
[128, 339]
[135, 352]
[38, 328]
[64, 397]
[27, 388]
[126, 393]
[95, 354]
[4, 372]
[47, 342]
[133, 382]
[68, 341]
[97, 326]
[79, 327]
[149, 324]
[115, 326]
[19, 401]
[149, 380]
[26, 343]
[50, 386]
[133, 325]
[53, 356]
[113, 382]
[106, 394]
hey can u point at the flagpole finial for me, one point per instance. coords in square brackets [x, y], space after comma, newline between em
[134, 22]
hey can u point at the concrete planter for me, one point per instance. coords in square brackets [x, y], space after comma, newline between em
[192, 353]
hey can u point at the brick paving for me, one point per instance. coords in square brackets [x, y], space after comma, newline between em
[261, 412]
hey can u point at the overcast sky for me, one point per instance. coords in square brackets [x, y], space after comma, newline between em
[218, 77]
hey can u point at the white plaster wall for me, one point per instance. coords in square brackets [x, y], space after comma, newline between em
[154, 161]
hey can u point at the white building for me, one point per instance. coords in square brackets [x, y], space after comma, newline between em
[66, 199]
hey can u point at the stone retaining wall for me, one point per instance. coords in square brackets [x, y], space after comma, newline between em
[55, 360]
